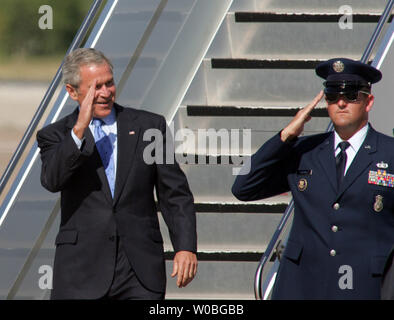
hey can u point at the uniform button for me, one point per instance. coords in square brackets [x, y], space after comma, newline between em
[336, 206]
[333, 253]
[111, 238]
[334, 228]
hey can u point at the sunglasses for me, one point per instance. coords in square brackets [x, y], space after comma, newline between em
[351, 96]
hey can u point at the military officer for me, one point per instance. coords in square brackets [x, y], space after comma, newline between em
[342, 184]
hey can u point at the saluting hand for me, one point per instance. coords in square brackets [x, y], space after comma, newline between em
[185, 266]
[86, 111]
[296, 126]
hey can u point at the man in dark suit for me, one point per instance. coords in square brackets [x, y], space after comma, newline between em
[109, 244]
[342, 185]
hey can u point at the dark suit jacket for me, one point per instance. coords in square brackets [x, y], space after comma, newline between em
[91, 219]
[326, 218]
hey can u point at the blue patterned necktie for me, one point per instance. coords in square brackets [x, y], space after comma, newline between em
[104, 147]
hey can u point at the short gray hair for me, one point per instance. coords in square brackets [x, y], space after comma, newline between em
[78, 58]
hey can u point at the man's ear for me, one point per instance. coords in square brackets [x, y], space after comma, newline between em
[370, 101]
[72, 92]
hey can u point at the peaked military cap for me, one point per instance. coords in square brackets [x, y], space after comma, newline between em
[344, 75]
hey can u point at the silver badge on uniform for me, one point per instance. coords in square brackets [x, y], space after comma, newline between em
[382, 165]
[378, 205]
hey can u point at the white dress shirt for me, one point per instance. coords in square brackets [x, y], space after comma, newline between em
[355, 143]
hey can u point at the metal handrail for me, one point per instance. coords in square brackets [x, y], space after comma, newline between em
[80, 35]
[367, 53]
[270, 247]
[383, 19]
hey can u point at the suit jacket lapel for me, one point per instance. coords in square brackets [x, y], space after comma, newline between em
[361, 161]
[72, 119]
[96, 156]
[326, 157]
[127, 139]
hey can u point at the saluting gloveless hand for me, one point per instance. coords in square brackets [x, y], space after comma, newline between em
[86, 111]
[296, 126]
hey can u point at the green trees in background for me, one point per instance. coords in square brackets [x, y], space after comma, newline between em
[20, 34]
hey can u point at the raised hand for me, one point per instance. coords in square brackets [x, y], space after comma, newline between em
[86, 111]
[296, 126]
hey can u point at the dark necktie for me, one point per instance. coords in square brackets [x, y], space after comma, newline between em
[340, 161]
[104, 146]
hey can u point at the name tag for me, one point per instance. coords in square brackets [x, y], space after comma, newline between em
[305, 172]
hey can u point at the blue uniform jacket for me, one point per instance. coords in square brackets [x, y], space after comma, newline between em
[340, 238]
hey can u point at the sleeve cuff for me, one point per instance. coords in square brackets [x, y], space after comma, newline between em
[77, 141]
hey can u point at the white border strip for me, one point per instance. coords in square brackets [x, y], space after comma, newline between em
[59, 110]
[197, 65]
[386, 50]
[104, 24]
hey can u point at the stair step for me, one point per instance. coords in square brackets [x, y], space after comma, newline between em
[254, 87]
[233, 152]
[216, 280]
[222, 256]
[205, 178]
[181, 295]
[308, 6]
[230, 236]
[313, 39]
[306, 17]
[223, 63]
[263, 122]
[240, 207]
[233, 111]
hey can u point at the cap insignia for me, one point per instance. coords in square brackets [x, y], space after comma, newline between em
[338, 66]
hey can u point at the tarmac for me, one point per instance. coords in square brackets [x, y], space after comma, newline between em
[20, 100]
